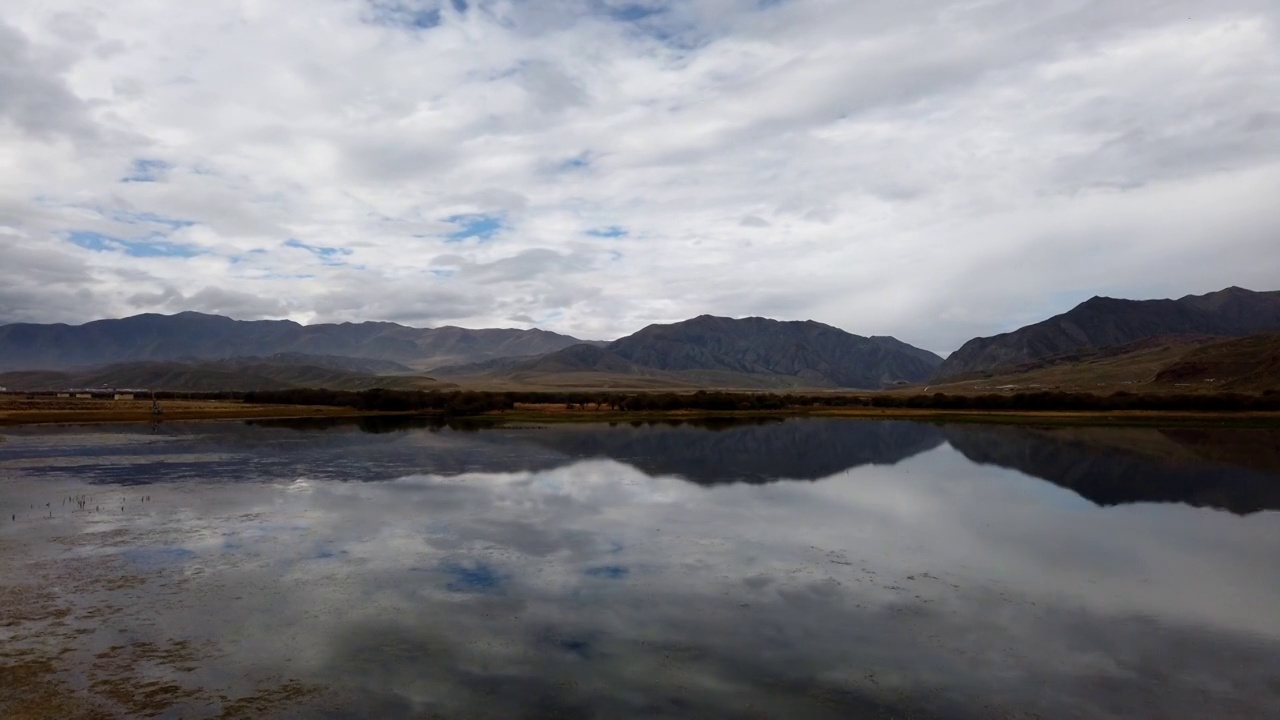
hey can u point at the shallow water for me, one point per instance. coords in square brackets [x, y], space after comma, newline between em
[799, 569]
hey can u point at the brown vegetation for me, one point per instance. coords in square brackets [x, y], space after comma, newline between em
[23, 409]
[1163, 365]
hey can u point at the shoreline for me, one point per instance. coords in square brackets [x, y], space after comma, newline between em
[557, 415]
[23, 418]
[990, 417]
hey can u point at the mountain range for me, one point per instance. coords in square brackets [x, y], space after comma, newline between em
[727, 352]
[1102, 322]
[707, 350]
[200, 336]
[1173, 343]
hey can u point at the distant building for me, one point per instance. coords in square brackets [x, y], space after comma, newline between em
[124, 396]
[84, 395]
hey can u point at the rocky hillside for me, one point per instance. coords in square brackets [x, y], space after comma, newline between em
[817, 354]
[1106, 322]
[710, 351]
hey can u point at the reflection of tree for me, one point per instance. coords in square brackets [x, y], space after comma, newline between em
[1233, 470]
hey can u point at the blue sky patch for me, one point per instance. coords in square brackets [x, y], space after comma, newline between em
[146, 170]
[612, 231]
[328, 254]
[634, 12]
[478, 578]
[244, 257]
[460, 5]
[136, 218]
[582, 161]
[408, 14]
[479, 225]
[151, 247]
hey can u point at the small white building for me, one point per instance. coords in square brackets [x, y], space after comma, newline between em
[124, 396]
[85, 396]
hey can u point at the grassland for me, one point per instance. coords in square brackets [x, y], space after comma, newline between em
[20, 410]
[1157, 365]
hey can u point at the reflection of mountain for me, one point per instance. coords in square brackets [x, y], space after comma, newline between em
[372, 450]
[758, 453]
[1235, 470]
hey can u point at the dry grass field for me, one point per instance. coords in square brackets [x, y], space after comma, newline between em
[18, 409]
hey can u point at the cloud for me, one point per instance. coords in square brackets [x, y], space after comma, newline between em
[33, 96]
[212, 300]
[875, 166]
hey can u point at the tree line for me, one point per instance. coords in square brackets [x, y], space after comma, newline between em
[459, 403]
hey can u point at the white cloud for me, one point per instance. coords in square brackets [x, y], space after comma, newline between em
[927, 169]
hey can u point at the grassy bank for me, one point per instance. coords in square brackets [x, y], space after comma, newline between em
[504, 409]
[16, 410]
[525, 414]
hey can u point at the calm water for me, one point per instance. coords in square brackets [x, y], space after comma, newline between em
[800, 569]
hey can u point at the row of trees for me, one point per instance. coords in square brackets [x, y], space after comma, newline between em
[449, 403]
[458, 403]
[1063, 401]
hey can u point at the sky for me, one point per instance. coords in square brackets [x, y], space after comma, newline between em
[928, 169]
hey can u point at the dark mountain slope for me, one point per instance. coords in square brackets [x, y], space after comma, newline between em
[1105, 322]
[196, 335]
[579, 358]
[371, 366]
[810, 352]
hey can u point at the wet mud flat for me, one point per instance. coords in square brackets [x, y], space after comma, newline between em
[83, 625]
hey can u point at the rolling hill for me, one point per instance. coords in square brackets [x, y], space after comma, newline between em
[197, 335]
[1107, 322]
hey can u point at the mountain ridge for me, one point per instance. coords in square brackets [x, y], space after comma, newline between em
[1102, 322]
[151, 336]
[736, 352]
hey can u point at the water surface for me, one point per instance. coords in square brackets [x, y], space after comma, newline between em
[808, 568]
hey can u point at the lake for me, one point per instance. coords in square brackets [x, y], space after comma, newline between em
[812, 568]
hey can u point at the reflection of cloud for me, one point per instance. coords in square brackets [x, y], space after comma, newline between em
[472, 578]
[933, 587]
